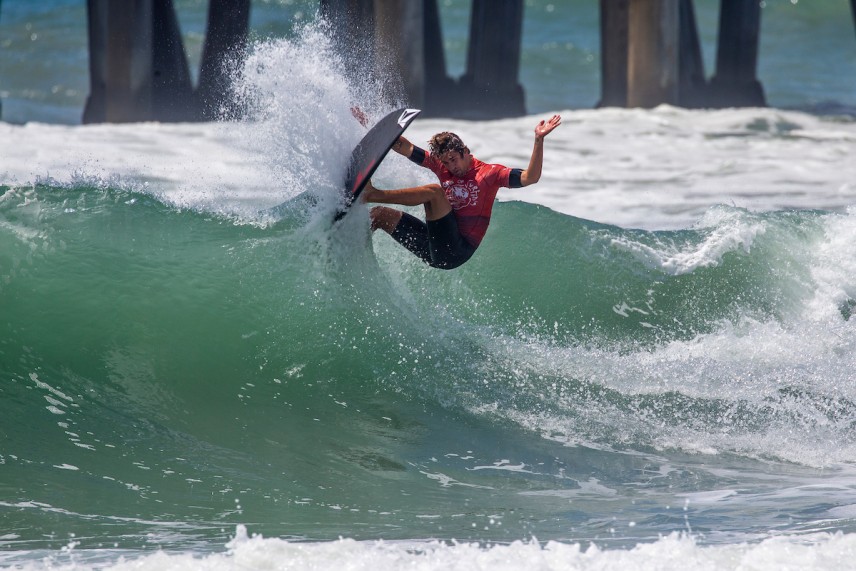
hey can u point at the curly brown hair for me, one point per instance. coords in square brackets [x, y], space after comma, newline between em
[441, 143]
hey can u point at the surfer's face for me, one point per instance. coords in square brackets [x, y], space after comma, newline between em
[456, 162]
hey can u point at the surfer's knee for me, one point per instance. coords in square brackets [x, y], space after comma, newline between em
[385, 218]
[436, 190]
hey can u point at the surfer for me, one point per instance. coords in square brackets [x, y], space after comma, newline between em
[457, 211]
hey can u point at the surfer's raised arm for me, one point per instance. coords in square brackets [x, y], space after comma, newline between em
[533, 173]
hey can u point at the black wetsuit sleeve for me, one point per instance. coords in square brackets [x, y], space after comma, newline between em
[417, 156]
[514, 178]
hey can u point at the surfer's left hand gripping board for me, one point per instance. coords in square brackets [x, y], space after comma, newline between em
[369, 153]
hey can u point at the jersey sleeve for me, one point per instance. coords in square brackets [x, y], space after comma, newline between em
[505, 177]
[430, 162]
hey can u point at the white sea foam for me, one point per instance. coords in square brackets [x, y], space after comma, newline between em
[798, 375]
[834, 268]
[820, 551]
[724, 232]
[650, 169]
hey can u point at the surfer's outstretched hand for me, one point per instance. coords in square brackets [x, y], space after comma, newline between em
[544, 128]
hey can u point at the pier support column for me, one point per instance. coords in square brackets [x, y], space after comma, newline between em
[225, 41]
[172, 88]
[693, 85]
[735, 84]
[493, 59]
[352, 25]
[138, 67]
[400, 42]
[652, 67]
[441, 91]
[409, 60]
[853, 9]
[613, 52]
[400, 47]
[120, 61]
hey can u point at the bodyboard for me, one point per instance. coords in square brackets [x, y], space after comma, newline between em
[370, 151]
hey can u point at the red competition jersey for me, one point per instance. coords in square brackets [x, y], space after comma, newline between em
[472, 195]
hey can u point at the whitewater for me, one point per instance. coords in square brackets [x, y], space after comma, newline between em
[648, 364]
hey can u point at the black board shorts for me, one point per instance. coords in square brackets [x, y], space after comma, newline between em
[437, 242]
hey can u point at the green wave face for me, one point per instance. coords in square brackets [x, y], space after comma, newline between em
[171, 372]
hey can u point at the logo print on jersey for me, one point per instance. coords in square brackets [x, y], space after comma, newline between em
[462, 193]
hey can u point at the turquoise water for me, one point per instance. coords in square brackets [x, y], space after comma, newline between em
[197, 371]
[169, 374]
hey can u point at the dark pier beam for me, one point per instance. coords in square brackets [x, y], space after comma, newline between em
[352, 27]
[656, 58]
[735, 83]
[172, 88]
[120, 62]
[490, 84]
[138, 66]
[399, 42]
[653, 56]
[400, 49]
[693, 86]
[407, 55]
[440, 91]
[225, 40]
[613, 52]
[853, 9]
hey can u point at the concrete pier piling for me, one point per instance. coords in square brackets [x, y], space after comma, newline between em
[650, 55]
[490, 85]
[853, 11]
[352, 25]
[407, 54]
[138, 66]
[692, 89]
[735, 83]
[613, 52]
[652, 46]
[399, 43]
[225, 40]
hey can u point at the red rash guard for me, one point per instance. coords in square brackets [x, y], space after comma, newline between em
[472, 195]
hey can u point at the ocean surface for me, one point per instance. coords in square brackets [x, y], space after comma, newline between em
[649, 363]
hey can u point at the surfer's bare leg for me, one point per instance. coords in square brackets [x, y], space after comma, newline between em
[431, 196]
[385, 218]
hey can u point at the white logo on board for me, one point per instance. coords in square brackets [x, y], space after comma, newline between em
[407, 116]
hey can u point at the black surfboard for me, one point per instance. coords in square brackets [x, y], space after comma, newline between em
[369, 153]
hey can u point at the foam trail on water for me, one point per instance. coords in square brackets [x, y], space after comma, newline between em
[678, 551]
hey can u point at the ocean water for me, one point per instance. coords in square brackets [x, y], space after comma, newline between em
[648, 364]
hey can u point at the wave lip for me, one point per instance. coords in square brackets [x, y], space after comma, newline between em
[722, 231]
